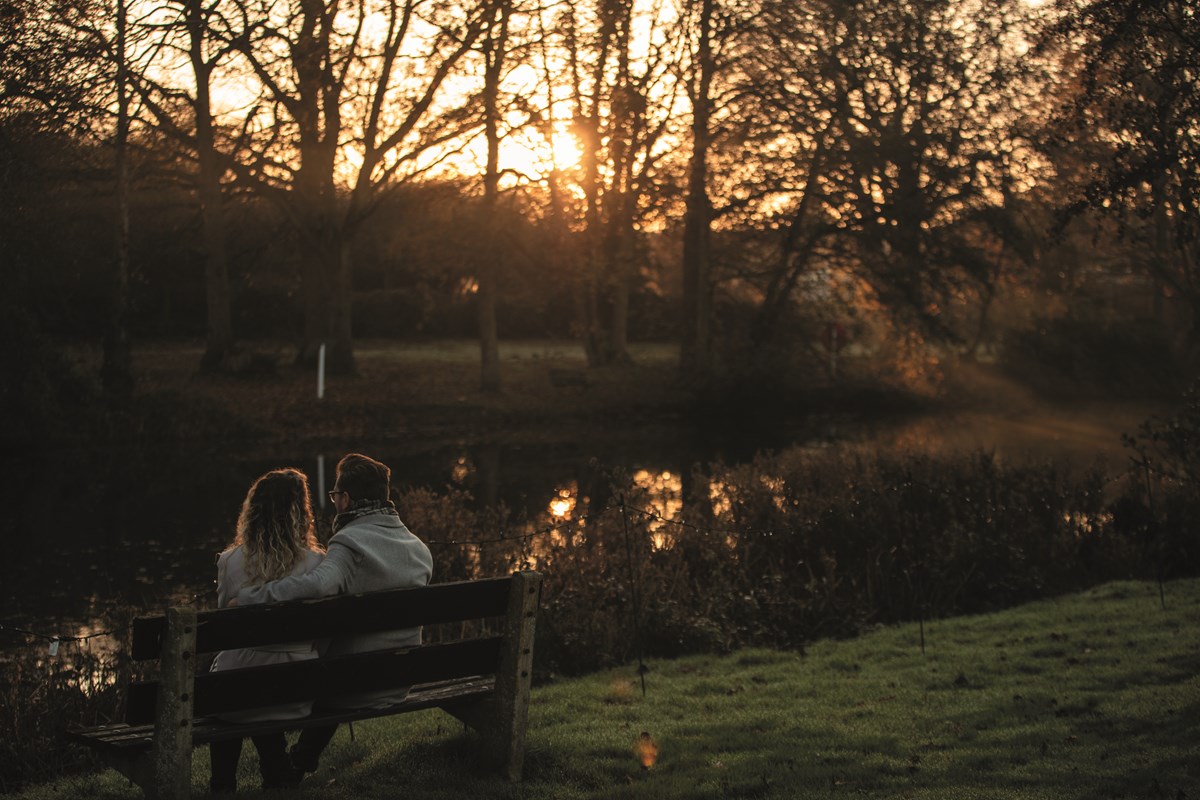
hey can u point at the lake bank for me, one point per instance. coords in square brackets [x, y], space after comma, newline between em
[1089, 695]
[159, 501]
[422, 397]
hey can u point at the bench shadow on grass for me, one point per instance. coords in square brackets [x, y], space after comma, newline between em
[445, 764]
[384, 762]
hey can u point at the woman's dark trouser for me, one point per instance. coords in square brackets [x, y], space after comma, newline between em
[306, 753]
[272, 758]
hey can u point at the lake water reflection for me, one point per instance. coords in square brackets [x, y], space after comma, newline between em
[96, 534]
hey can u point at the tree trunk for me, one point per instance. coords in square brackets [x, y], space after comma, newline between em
[589, 277]
[323, 237]
[318, 119]
[588, 116]
[219, 344]
[489, 339]
[116, 372]
[594, 347]
[340, 360]
[618, 253]
[982, 329]
[315, 301]
[619, 258]
[695, 352]
[793, 259]
[618, 334]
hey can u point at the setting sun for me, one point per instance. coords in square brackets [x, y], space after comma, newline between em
[533, 156]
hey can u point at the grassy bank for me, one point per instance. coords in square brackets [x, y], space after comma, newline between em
[1094, 695]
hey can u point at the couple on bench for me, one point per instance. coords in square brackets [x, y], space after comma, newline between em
[275, 556]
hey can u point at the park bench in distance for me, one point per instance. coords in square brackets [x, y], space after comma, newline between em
[483, 681]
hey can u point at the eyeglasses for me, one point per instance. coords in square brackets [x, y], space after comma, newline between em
[335, 492]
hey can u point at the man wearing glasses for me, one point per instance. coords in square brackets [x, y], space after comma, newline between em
[370, 550]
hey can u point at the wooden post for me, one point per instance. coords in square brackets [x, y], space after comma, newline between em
[172, 750]
[504, 743]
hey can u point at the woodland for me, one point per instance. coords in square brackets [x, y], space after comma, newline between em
[745, 180]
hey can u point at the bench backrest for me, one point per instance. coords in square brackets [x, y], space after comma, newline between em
[276, 623]
[218, 692]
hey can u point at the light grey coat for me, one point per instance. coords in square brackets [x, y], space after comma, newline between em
[231, 578]
[371, 553]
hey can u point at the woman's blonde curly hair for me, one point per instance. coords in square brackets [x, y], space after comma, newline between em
[276, 525]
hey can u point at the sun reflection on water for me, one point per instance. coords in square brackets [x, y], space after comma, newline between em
[720, 498]
[559, 517]
[462, 470]
[1085, 524]
[777, 486]
[664, 497]
[563, 504]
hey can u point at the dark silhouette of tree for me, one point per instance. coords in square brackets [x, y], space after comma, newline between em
[185, 116]
[1134, 68]
[494, 45]
[885, 124]
[345, 112]
[59, 75]
[219, 342]
[695, 354]
[623, 94]
[116, 372]
[38, 103]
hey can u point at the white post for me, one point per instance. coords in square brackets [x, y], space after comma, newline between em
[321, 371]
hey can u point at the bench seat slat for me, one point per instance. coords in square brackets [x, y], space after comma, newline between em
[133, 738]
[324, 678]
[343, 615]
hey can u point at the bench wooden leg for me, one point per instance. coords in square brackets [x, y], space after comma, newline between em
[172, 750]
[504, 737]
[137, 768]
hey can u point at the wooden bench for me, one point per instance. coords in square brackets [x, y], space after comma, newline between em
[483, 681]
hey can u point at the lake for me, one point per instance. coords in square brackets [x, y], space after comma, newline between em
[96, 532]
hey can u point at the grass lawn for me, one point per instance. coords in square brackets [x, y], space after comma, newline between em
[1095, 695]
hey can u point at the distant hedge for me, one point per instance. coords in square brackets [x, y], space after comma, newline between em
[798, 546]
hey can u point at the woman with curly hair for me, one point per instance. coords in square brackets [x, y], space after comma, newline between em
[275, 539]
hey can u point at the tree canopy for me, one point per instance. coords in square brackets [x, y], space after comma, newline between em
[729, 174]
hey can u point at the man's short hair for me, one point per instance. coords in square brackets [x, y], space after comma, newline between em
[364, 478]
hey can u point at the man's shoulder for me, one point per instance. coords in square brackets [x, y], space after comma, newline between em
[373, 539]
[369, 527]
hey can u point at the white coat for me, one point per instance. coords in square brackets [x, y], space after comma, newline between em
[232, 578]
